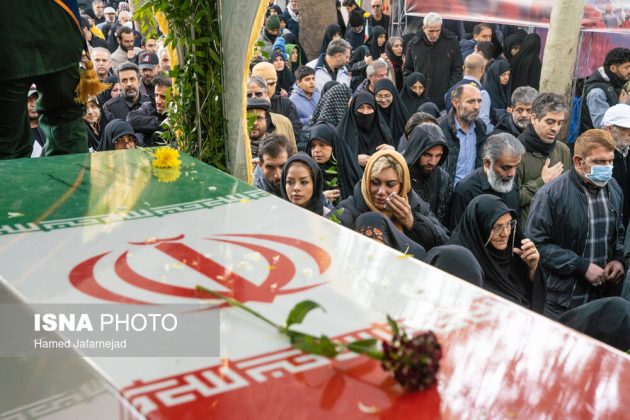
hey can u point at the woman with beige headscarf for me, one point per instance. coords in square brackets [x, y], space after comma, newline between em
[385, 190]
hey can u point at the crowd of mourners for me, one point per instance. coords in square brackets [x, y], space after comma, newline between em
[440, 145]
[135, 66]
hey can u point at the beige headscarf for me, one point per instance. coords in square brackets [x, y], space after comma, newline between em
[367, 177]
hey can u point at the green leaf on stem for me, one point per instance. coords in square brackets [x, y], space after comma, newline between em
[393, 325]
[321, 346]
[299, 312]
[366, 347]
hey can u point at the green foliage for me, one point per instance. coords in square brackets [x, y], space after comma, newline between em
[334, 216]
[299, 311]
[195, 113]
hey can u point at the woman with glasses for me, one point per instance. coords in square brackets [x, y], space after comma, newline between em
[510, 263]
[118, 135]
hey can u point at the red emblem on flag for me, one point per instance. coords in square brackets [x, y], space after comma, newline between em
[282, 270]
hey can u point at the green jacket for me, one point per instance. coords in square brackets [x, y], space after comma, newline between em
[528, 173]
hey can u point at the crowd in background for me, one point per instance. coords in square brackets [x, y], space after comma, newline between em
[441, 146]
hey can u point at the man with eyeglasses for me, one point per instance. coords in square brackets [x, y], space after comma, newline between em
[279, 104]
[576, 224]
[545, 158]
[501, 156]
[378, 18]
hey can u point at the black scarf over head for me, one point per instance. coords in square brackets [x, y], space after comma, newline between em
[533, 143]
[419, 141]
[377, 226]
[112, 132]
[348, 170]
[409, 97]
[331, 31]
[364, 133]
[397, 63]
[286, 79]
[514, 40]
[500, 95]
[372, 42]
[396, 114]
[526, 64]
[316, 203]
[504, 272]
[332, 105]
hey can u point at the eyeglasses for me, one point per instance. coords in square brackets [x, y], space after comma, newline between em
[497, 230]
[376, 6]
[256, 94]
[383, 97]
[125, 141]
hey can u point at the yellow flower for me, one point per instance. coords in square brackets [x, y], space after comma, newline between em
[167, 174]
[366, 15]
[166, 157]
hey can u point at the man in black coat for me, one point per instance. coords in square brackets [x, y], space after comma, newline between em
[501, 156]
[575, 222]
[435, 53]
[148, 119]
[130, 98]
[519, 113]
[465, 133]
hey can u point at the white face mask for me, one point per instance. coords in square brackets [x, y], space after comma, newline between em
[128, 24]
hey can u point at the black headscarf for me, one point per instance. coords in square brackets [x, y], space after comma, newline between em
[316, 203]
[396, 114]
[526, 64]
[328, 85]
[112, 132]
[332, 105]
[504, 272]
[512, 41]
[606, 319]
[106, 95]
[372, 42]
[348, 170]
[95, 134]
[331, 31]
[500, 95]
[409, 97]
[458, 261]
[286, 79]
[377, 226]
[397, 63]
[364, 133]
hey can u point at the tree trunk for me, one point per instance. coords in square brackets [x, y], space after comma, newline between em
[560, 51]
[316, 15]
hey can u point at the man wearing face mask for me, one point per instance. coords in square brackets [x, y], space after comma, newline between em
[576, 224]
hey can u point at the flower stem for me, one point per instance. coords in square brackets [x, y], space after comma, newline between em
[234, 302]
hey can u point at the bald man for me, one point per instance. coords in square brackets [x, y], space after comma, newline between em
[474, 67]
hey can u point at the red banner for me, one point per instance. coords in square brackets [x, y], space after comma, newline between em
[599, 15]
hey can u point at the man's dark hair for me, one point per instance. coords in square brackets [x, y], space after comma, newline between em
[486, 48]
[417, 119]
[548, 102]
[273, 144]
[128, 66]
[303, 71]
[85, 22]
[347, 3]
[162, 81]
[480, 27]
[123, 30]
[617, 56]
[146, 38]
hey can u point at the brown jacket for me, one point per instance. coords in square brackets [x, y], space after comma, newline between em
[283, 126]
